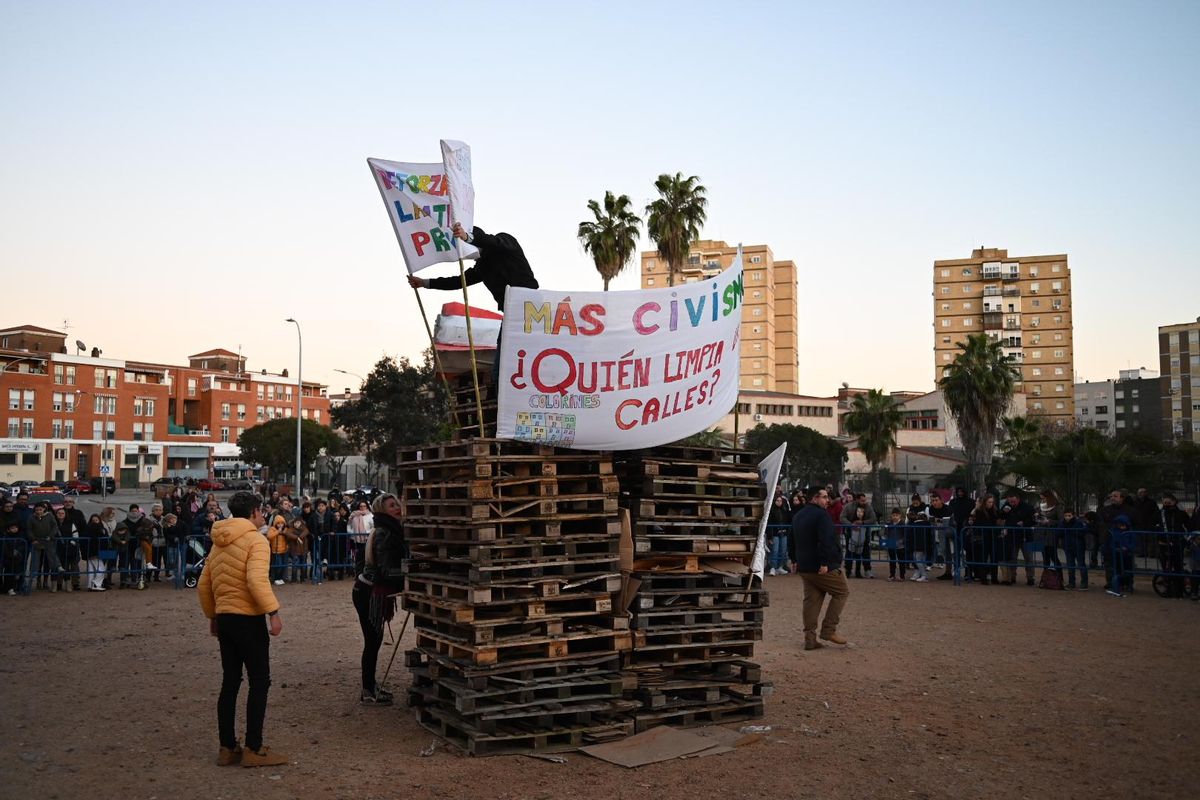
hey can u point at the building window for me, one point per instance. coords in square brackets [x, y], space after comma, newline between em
[69, 429]
[149, 428]
[1056, 268]
[56, 402]
[967, 305]
[224, 410]
[56, 429]
[28, 459]
[945, 273]
[1058, 370]
[945, 290]
[60, 454]
[1035, 303]
[1059, 354]
[968, 322]
[70, 375]
[945, 306]
[1058, 387]
[137, 406]
[1036, 372]
[259, 414]
[966, 288]
[191, 387]
[1056, 286]
[30, 397]
[14, 399]
[1060, 405]
[224, 434]
[58, 373]
[1033, 271]
[27, 428]
[14, 427]
[241, 411]
[649, 282]
[259, 391]
[945, 356]
[137, 431]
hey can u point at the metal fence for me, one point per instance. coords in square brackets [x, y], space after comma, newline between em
[1079, 557]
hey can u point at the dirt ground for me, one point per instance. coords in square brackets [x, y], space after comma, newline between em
[975, 692]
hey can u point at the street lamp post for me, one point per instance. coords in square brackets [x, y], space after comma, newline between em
[299, 394]
[103, 441]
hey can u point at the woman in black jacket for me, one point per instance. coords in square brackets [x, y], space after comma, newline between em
[95, 539]
[379, 580]
[983, 540]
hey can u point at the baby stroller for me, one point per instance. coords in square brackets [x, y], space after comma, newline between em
[194, 555]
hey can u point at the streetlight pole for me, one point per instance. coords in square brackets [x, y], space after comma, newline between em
[103, 441]
[299, 394]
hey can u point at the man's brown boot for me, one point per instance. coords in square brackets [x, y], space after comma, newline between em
[263, 757]
[811, 643]
[229, 758]
[834, 637]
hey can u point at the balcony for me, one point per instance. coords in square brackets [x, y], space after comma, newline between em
[1012, 291]
[992, 291]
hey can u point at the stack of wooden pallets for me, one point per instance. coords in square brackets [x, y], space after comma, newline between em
[695, 611]
[513, 571]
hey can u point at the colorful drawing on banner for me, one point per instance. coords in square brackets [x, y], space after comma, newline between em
[634, 368]
[417, 198]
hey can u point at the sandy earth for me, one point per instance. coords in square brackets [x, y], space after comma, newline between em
[945, 692]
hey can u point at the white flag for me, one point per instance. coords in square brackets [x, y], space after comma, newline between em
[456, 162]
[768, 472]
[417, 198]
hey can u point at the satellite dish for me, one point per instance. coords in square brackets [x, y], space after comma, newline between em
[79, 344]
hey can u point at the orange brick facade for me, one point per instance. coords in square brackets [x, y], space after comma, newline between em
[161, 420]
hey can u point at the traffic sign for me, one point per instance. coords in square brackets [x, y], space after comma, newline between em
[104, 470]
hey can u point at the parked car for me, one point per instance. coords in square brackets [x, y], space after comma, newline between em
[42, 495]
[22, 486]
[209, 485]
[238, 484]
[60, 486]
[110, 483]
[79, 487]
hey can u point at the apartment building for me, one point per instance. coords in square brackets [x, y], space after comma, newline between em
[68, 415]
[1024, 302]
[1179, 364]
[1095, 405]
[769, 319]
[1138, 402]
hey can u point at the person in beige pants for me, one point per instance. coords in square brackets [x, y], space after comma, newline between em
[818, 558]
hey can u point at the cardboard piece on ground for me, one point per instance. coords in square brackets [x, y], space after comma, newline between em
[723, 740]
[649, 747]
[629, 590]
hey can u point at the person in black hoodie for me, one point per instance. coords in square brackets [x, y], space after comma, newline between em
[818, 558]
[1017, 517]
[501, 264]
[380, 578]
[1173, 527]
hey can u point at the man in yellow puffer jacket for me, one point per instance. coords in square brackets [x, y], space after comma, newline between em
[235, 592]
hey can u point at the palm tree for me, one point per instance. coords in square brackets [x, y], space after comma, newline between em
[1024, 448]
[612, 237]
[978, 388]
[673, 220]
[874, 418]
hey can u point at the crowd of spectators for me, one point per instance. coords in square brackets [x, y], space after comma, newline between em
[62, 550]
[1000, 538]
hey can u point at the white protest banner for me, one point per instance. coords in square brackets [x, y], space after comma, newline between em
[768, 472]
[619, 370]
[456, 162]
[417, 198]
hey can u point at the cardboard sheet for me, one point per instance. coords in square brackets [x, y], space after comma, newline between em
[650, 747]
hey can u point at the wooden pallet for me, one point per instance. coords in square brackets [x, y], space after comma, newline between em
[442, 588]
[453, 529]
[648, 544]
[515, 487]
[495, 634]
[676, 617]
[516, 742]
[704, 597]
[563, 605]
[727, 673]
[524, 698]
[701, 508]
[567, 645]
[568, 569]
[521, 508]
[730, 708]
[483, 676]
[510, 550]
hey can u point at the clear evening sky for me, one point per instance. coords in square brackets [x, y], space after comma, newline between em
[176, 177]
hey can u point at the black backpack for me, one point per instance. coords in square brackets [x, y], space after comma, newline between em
[1051, 579]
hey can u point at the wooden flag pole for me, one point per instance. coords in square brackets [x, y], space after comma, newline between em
[462, 272]
[437, 361]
